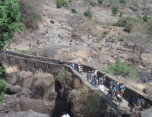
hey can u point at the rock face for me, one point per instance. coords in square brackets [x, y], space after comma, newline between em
[29, 113]
[27, 90]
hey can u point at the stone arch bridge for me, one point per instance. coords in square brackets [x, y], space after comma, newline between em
[33, 63]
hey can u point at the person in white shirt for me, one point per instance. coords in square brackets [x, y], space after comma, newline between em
[101, 87]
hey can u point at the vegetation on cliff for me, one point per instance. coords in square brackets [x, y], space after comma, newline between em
[10, 17]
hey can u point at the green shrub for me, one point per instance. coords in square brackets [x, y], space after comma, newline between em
[145, 18]
[100, 1]
[127, 23]
[93, 3]
[115, 10]
[122, 68]
[121, 39]
[105, 33]
[88, 14]
[122, 1]
[65, 77]
[73, 10]
[133, 8]
[93, 106]
[121, 13]
[2, 89]
[62, 3]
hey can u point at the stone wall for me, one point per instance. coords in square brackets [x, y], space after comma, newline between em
[33, 63]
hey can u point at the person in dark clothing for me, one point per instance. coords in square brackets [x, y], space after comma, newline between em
[112, 91]
[131, 103]
[111, 83]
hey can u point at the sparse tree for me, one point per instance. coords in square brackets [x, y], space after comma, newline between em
[141, 43]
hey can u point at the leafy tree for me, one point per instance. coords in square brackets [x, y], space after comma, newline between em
[10, 17]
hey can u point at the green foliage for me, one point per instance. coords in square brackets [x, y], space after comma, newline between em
[10, 17]
[114, 10]
[121, 13]
[65, 77]
[62, 3]
[113, 1]
[133, 8]
[105, 33]
[88, 14]
[1, 70]
[122, 69]
[145, 18]
[100, 1]
[122, 1]
[73, 10]
[2, 89]
[121, 39]
[93, 106]
[127, 23]
[93, 3]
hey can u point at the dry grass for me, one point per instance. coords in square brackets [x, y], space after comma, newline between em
[135, 83]
[11, 69]
[41, 74]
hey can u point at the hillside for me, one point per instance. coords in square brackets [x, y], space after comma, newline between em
[90, 32]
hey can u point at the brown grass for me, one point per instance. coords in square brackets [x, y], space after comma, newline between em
[11, 69]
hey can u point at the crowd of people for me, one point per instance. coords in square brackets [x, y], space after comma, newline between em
[116, 89]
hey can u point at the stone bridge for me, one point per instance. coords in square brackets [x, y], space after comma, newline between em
[33, 63]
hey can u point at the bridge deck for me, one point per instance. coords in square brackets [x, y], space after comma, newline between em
[123, 106]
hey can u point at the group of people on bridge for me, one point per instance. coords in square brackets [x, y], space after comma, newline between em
[116, 89]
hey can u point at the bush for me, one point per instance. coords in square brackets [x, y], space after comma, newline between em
[115, 10]
[93, 3]
[121, 39]
[145, 18]
[87, 103]
[127, 23]
[88, 14]
[73, 10]
[62, 3]
[65, 77]
[133, 8]
[121, 68]
[93, 106]
[105, 33]
[122, 1]
[2, 89]
[100, 1]
[121, 13]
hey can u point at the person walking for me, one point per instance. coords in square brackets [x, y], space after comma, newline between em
[131, 103]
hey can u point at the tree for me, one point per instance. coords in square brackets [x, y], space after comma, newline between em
[10, 17]
[141, 43]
